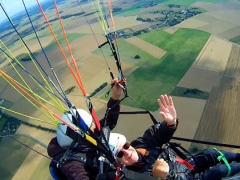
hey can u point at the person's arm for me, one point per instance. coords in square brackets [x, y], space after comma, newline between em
[113, 106]
[54, 148]
[162, 133]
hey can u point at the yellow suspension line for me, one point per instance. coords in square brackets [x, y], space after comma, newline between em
[36, 95]
[28, 88]
[57, 101]
[99, 14]
[15, 112]
[53, 119]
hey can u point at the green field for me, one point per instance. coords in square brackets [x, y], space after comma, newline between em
[42, 171]
[189, 2]
[133, 10]
[127, 54]
[235, 39]
[12, 155]
[155, 77]
[179, 91]
[3, 120]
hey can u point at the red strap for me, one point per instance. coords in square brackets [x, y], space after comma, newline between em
[184, 162]
[117, 176]
[95, 118]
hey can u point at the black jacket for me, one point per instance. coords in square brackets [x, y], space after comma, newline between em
[152, 140]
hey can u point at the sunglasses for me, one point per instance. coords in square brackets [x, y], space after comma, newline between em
[121, 153]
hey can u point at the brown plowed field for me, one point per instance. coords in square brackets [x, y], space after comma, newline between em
[220, 120]
[214, 55]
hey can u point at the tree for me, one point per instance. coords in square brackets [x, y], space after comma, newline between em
[137, 57]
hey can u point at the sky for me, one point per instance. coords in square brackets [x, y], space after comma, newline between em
[14, 6]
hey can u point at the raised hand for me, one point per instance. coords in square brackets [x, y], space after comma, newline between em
[168, 111]
[116, 88]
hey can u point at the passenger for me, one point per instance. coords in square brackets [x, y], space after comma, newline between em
[80, 162]
[142, 155]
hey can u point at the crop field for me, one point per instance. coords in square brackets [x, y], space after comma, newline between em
[158, 71]
[235, 39]
[41, 172]
[127, 53]
[182, 48]
[10, 149]
[200, 78]
[220, 121]
[32, 162]
[145, 46]
[214, 55]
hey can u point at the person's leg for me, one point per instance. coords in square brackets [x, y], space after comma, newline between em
[220, 171]
[208, 158]
[211, 174]
[231, 156]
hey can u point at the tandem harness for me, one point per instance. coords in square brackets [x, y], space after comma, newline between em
[179, 168]
[187, 159]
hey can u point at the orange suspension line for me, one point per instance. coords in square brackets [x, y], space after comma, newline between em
[31, 97]
[68, 45]
[79, 81]
[112, 20]
[63, 54]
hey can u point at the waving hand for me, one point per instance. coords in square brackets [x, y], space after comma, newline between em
[168, 111]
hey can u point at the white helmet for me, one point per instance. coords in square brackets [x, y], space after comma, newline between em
[114, 141]
[63, 140]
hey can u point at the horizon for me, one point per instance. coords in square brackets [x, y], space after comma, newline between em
[16, 7]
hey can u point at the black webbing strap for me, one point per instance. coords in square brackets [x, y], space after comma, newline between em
[142, 112]
[104, 139]
[206, 142]
[81, 157]
[132, 175]
[100, 146]
[174, 146]
[66, 155]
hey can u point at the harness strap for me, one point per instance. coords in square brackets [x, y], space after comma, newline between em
[174, 146]
[65, 155]
[191, 167]
[81, 157]
[222, 157]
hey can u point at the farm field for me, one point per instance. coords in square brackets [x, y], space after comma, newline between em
[221, 20]
[11, 149]
[214, 55]
[145, 46]
[220, 118]
[158, 77]
[200, 78]
[207, 69]
[175, 56]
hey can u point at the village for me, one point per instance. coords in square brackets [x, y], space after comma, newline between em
[171, 15]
